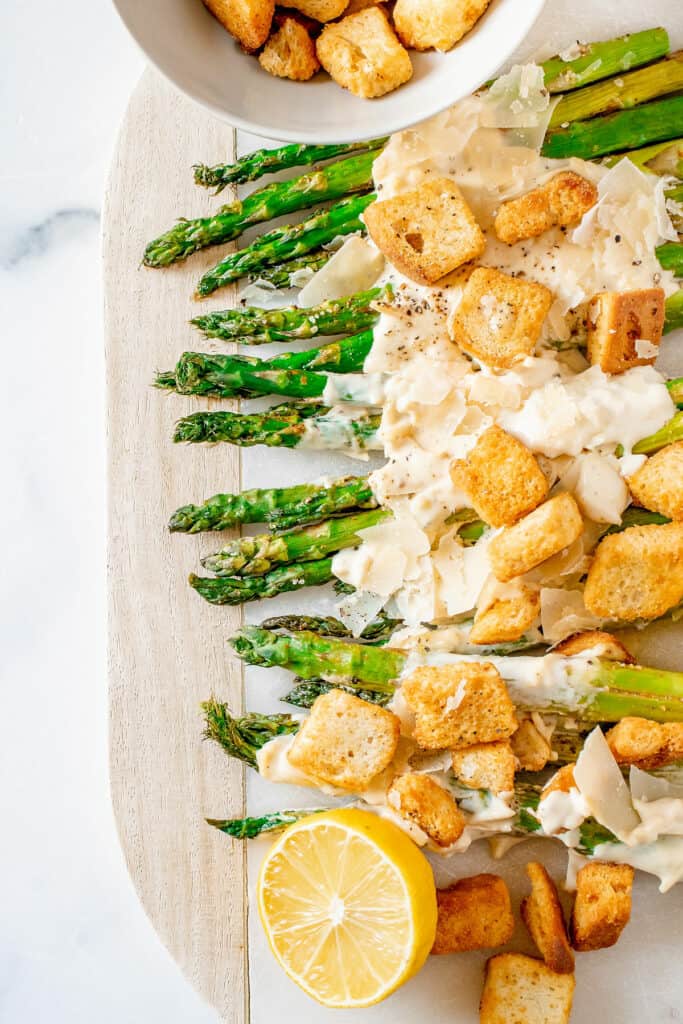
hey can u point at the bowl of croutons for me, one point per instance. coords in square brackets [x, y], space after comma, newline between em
[328, 70]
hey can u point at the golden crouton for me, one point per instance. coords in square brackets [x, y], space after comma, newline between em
[362, 53]
[608, 645]
[499, 318]
[290, 52]
[558, 203]
[562, 781]
[544, 532]
[427, 232]
[646, 744]
[506, 619]
[658, 484]
[474, 913]
[360, 5]
[486, 766]
[637, 574]
[531, 749]
[345, 741]
[521, 990]
[501, 478]
[436, 24]
[543, 916]
[248, 21]
[419, 799]
[603, 905]
[459, 705]
[617, 321]
[319, 10]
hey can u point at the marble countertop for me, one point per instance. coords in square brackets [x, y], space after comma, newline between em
[75, 945]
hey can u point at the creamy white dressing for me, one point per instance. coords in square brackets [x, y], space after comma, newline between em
[559, 811]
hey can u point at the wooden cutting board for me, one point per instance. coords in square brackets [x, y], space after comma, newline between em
[164, 656]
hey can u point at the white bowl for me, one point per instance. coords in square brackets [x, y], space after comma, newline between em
[198, 56]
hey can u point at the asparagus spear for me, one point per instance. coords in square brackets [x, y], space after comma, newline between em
[669, 433]
[605, 691]
[620, 93]
[378, 631]
[250, 828]
[286, 426]
[674, 312]
[284, 275]
[289, 374]
[284, 243]
[187, 236]
[286, 578]
[282, 506]
[255, 556]
[596, 61]
[254, 326]
[627, 129]
[269, 161]
[643, 156]
[670, 255]
[243, 737]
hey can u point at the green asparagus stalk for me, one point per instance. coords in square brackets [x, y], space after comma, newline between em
[289, 375]
[250, 828]
[284, 507]
[286, 242]
[379, 631]
[606, 691]
[284, 275]
[627, 129]
[670, 255]
[604, 59]
[646, 155]
[270, 161]
[669, 433]
[620, 92]
[235, 590]
[286, 426]
[254, 326]
[243, 737]
[255, 556]
[342, 178]
[674, 312]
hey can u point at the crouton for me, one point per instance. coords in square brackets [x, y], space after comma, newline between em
[501, 477]
[521, 990]
[561, 201]
[618, 321]
[603, 905]
[595, 639]
[362, 53]
[499, 318]
[530, 747]
[360, 5]
[646, 744]
[546, 531]
[562, 781]
[290, 52]
[436, 24]
[345, 741]
[473, 913]
[458, 705]
[425, 803]
[506, 619]
[637, 574]
[319, 10]
[427, 232]
[248, 21]
[658, 484]
[486, 766]
[543, 916]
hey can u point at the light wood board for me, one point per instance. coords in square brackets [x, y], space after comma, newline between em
[165, 647]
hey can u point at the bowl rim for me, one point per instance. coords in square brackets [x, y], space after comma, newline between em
[530, 9]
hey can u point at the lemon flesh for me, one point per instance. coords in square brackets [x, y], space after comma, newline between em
[348, 903]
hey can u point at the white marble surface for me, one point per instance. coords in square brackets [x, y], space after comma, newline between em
[74, 944]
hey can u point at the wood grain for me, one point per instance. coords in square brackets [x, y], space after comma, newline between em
[166, 646]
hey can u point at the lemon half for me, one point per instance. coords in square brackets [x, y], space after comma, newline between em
[348, 903]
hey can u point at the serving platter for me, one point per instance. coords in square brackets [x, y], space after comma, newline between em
[168, 649]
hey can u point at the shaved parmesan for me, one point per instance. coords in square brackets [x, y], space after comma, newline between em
[462, 571]
[598, 487]
[563, 612]
[601, 784]
[358, 610]
[353, 268]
